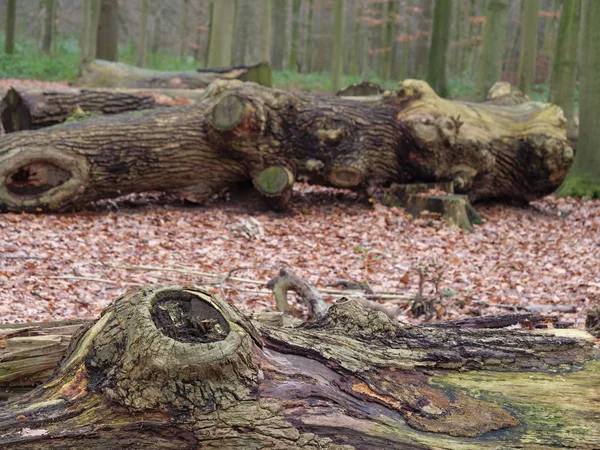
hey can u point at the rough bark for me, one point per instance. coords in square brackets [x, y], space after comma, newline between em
[584, 177]
[241, 129]
[118, 75]
[438, 52]
[492, 55]
[107, 43]
[31, 109]
[169, 367]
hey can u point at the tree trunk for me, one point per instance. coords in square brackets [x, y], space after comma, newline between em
[11, 27]
[107, 43]
[564, 72]
[528, 54]
[169, 367]
[184, 32]
[143, 46]
[309, 39]
[240, 131]
[221, 34]
[436, 69]
[118, 75]
[49, 28]
[294, 62]
[408, 11]
[356, 29]
[89, 32]
[584, 177]
[492, 56]
[424, 37]
[31, 109]
[280, 12]
[267, 24]
[389, 40]
[337, 60]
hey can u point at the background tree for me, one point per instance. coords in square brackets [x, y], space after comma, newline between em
[388, 40]
[293, 62]
[436, 69]
[564, 71]
[280, 12]
[221, 34]
[423, 37]
[11, 20]
[307, 66]
[492, 55]
[265, 47]
[108, 30]
[584, 178]
[528, 55]
[89, 32]
[49, 25]
[337, 60]
[183, 29]
[143, 45]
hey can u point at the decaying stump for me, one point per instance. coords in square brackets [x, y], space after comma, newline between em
[436, 198]
[242, 131]
[31, 109]
[100, 73]
[169, 367]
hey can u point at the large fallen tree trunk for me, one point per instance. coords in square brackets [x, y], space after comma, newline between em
[242, 131]
[31, 109]
[168, 367]
[100, 73]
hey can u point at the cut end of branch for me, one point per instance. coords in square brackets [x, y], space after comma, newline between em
[274, 180]
[228, 113]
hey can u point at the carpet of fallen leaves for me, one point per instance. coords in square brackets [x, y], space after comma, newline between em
[60, 266]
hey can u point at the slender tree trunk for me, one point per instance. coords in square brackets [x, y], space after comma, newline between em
[424, 38]
[564, 72]
[528, 54]
[388, 41]
[469, 48]
[407, 42]
[211, 8]
[437, 67]
[11, 21]
[89, 32]
[49, 27]
[107, 43]
[221, 34]
[549, 41]
[293, 61]
[280, 12]
[143, 46]
[309, 39]
[183, 30]
[267, 27]
[353, 66]
[458, 39]
[492, 55]
[337, 60]
[584, 178]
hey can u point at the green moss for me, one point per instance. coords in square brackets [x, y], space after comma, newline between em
[579, 186]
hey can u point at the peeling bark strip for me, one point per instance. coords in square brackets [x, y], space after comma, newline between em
[100, 73]
[170, 367]
[31, 109]
[239, 130]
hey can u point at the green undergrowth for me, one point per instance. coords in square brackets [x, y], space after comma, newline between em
[28, 62]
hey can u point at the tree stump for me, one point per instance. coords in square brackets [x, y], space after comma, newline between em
[172, 367]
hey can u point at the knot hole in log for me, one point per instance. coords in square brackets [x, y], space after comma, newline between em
[187, 318]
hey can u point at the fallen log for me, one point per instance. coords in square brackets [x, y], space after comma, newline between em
[108, 74]
[31, 109]
[241, 131]
[170, 367]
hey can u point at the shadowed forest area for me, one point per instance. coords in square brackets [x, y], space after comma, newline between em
[299, 224]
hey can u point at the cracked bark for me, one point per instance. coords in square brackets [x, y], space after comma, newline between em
[170, 367]
[239, 130]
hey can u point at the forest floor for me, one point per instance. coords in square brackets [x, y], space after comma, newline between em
[543, 257]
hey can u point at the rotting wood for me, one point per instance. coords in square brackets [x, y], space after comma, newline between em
[31, 109]
[100, 73]
[409, 136]
[354, 379]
